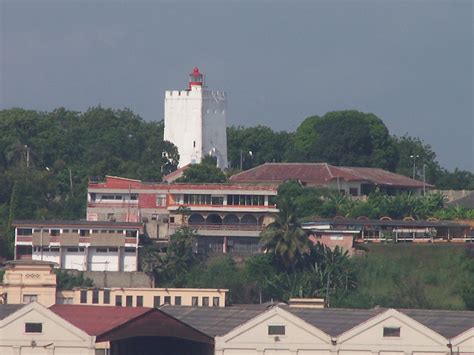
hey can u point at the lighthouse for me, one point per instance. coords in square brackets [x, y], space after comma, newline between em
[195, 122]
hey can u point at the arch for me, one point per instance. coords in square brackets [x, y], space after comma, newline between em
[362, 218]
[196, 219]
[409, 218]
[230, 219]
[339, 217]
[248, 219]
[260, 220]
[433, 219]
[385, 218]
[213, 219]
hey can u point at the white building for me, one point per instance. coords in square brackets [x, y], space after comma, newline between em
[195, 121]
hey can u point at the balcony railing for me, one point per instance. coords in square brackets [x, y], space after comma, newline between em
[231, 227]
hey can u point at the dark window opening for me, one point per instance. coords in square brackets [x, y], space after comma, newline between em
[83, 296]
[276, 330]
[106, 296]
[215, 301]
[391, 331]
[177, 301]
[156, 301]
[205, 301]
[24, 231]
[95, 296]
[139, 301]
[167, 299]
[194, 301]
[33, 327]
[129, 301]
[118, 301]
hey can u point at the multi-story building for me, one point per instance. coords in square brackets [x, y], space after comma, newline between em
[80, 245]
[227, 217]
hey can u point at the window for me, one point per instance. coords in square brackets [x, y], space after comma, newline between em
[72, 250]
[30, 298]
[129, 250]
[106, 296]
[353, 191]
[217, 200]
[54, 232]
[167, 299]
[177, 301]
[33, 327]
[205, 301]
[130, 234]
[272, 200]
[110, 216]
[24, 231]
[95, 231]
[84, 232]
[154, 217]
[83, 296]
[118, 301]
[75, 231]
[171, 219]
[65, 230]
[113, 250]
[156, 301]
[95, 296]
[194, 301]
[101, 250]
[134, 197]
[161, 200]
[111, 231]
[37, 230]
[215, 301]
[391, 331]
[129, 301]
[139, 301]
[276, 330]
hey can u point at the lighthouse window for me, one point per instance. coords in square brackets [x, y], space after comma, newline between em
[194, 144]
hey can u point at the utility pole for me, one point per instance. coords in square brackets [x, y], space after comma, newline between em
[70, 182]
[27, 156]
[414, 157]
[424, 179]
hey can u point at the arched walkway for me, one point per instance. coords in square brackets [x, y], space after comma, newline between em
[248, 219]
[196, 219]
[230, 219]
[214, 219]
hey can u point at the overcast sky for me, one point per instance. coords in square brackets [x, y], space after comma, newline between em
[409, 62]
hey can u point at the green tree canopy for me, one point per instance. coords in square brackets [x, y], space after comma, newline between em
[204, 172]
[348, 138]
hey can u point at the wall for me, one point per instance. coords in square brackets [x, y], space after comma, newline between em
[183, 123]
[214, 126]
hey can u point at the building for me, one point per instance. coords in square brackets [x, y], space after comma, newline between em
[79, 245]
[27, 281]
[364, 230]
[33, 329]
[144, 297]
[227, 217]
[353, 181]
[279, 329]
[195, 122]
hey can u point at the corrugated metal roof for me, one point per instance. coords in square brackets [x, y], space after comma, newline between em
[376, 222]
[323, 173]
[447, 323]
[7, 309]
[214, 321]
[96, 320]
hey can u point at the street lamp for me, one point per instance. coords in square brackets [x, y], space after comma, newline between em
[242, 157]
[414, 157]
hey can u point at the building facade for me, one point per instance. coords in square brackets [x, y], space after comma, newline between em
[80, 245]
[195, 122]
[227, 217]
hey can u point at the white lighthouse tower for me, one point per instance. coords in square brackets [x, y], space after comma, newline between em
[195, 122]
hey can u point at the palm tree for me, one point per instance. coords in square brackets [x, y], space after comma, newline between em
[284, 237]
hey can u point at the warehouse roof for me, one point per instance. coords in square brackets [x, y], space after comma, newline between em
[7, 309]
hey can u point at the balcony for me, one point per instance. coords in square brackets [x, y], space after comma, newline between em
[210, 229]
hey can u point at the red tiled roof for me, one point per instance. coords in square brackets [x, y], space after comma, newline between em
[322, 174]
[97, 320]
[175, 174]
[113, 182]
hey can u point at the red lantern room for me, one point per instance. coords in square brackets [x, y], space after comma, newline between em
[196, 78]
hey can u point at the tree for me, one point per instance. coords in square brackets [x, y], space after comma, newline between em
[284, 237]
[348, 138]
[204, 172]
[256, 145]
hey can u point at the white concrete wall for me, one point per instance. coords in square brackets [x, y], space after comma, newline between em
[214, 126]
[129, 261]
[183, 123]
[99, 261]
[51, 256]
[74, 260]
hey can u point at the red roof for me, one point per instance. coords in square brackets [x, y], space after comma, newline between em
[175, 174]
[322, 174]
[114, 182]
[97, 320]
